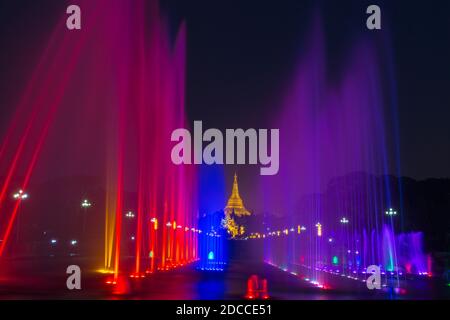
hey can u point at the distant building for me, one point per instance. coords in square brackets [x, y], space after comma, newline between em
[235, 209]
[235, 205]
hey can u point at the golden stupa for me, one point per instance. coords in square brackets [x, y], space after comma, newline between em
[235, 204]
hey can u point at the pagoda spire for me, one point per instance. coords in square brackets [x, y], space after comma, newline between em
[235, 190]
[235, 205]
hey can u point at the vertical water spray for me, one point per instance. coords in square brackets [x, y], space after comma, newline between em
[109, 98]
[334, 158]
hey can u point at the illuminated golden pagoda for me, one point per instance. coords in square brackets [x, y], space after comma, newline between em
[235, 204]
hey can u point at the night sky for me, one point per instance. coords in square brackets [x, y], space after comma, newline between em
[242, 53]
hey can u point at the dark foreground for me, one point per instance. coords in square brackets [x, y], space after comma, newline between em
[45, 278]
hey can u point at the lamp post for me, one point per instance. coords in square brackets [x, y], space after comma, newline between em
[130, 215]
[344, 220]
[85, 205]
[391, 213]
[153, 228]
[19, 196]
[345, 242]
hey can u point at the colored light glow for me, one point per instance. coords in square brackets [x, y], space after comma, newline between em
[86, 203]
[155, 223]
[211, 255]
[105, 271]
[319, 229]
[335, 260]
[344, 220]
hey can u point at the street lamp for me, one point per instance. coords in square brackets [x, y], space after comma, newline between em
[391, 212]
[155, 223]
[344, 220]
[20, 195]
[130, 215]
[86, 204]
[344, 240]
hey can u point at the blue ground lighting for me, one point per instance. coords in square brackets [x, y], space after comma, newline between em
[212, 241]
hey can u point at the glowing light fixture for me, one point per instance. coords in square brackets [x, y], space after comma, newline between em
[105, 271]
[391, 212]
[20, 195]
[335, 260]
[211, 255]
[319, 229]
[344, 220]
[130, 215]
[86, 204]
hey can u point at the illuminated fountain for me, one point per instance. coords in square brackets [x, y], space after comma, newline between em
[332, 189]
[213, 251]
[102, 102]
[411, 254]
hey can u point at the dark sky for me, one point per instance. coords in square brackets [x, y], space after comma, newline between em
[241, 54]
